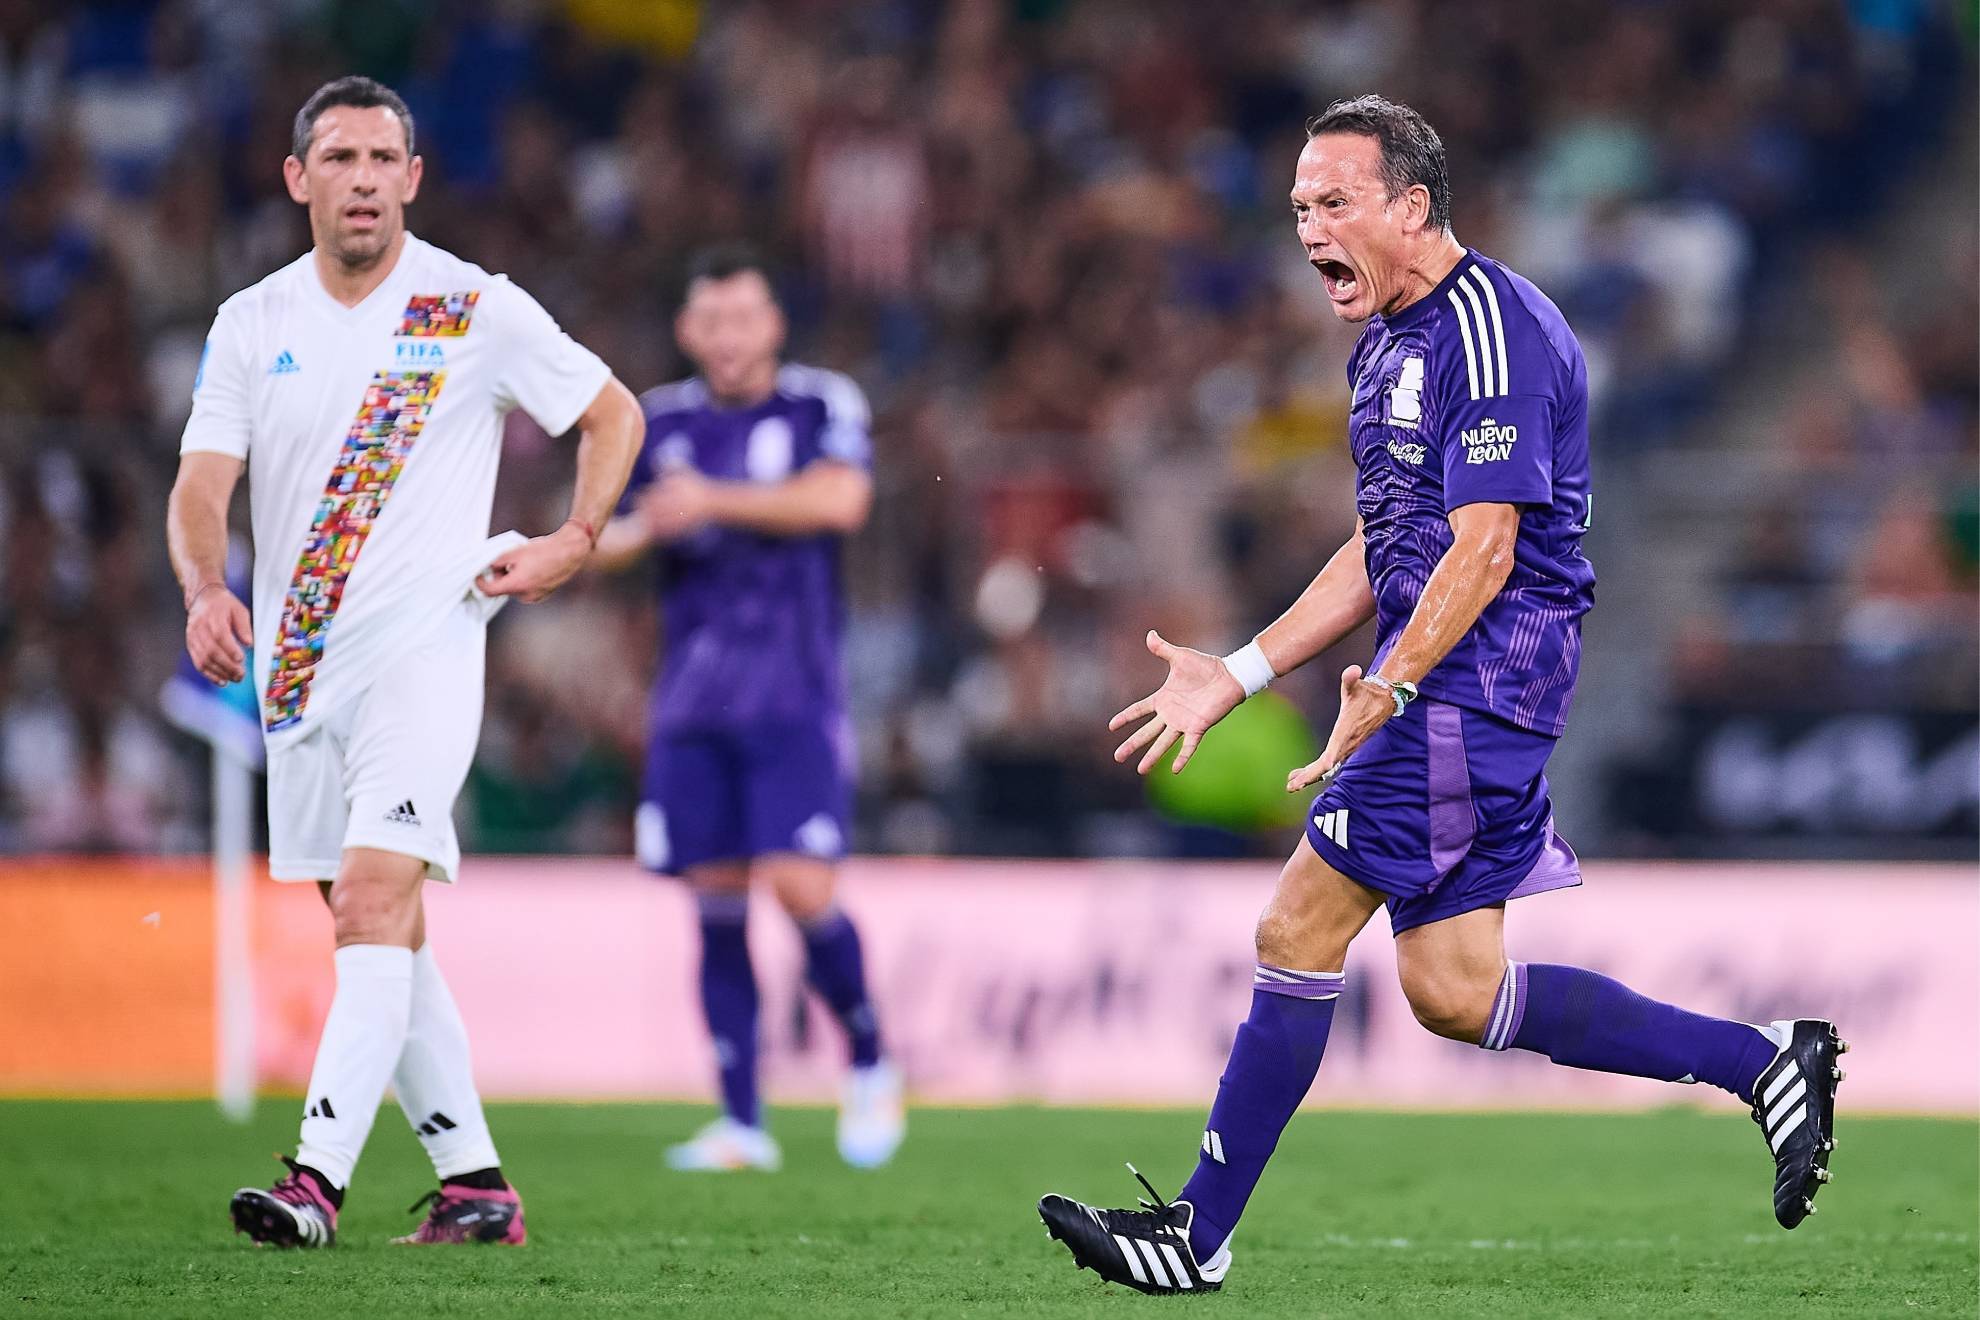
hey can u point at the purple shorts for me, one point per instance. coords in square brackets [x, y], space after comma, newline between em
[1444, 810]
[721, 795]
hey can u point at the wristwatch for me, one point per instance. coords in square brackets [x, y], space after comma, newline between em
[1403, 693]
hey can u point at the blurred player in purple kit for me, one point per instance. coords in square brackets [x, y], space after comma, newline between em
[750, 475]
[1469, 426]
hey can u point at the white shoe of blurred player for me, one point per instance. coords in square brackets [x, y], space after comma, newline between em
[726, 1145]
[872, 1116]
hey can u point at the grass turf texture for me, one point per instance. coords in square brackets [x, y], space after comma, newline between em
[114, 1208]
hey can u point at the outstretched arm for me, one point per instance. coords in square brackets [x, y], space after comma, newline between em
[1466, 579]
[1471, 573]
[1334, 604]
[1201, 689]
[609, 431]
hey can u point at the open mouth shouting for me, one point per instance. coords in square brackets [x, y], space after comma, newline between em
[1340, 278]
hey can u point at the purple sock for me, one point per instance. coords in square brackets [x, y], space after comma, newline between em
[1272, 1065]
[836, 969]
[1584, 1020]
[728, 1000]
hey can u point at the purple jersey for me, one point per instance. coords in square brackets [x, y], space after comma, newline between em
[1476, 394]
[752, 621]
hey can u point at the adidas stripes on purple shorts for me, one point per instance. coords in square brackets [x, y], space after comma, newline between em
[1445, 810]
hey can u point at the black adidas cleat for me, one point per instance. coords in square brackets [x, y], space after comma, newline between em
[1794, 1102]
[1146, 1249]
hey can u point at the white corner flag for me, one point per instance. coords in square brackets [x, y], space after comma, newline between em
[228, 721]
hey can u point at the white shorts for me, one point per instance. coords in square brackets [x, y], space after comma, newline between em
[383, 770]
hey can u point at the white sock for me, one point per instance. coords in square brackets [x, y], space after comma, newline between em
[362, 1038]
[435, 1078]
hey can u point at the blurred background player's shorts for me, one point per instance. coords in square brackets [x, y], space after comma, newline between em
[731, 794]
[1444, 810]
[383, 770]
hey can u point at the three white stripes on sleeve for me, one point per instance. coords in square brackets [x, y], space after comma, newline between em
[1484, 335]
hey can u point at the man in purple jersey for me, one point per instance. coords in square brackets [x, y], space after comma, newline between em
[750, 475]
[1469, 424]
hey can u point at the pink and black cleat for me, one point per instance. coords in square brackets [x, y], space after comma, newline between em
[469, 1214]
[295, 1212]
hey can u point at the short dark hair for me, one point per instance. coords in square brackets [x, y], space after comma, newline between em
[725, 261]
[1412, 153]
[356, 91]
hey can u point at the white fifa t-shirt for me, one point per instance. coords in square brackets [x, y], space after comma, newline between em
[372, 435]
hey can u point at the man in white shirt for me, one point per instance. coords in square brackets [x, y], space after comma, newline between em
[363, 387]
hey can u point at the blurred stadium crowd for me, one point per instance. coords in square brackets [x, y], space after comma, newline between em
[1050, 238]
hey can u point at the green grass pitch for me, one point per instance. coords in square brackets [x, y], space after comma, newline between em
[112, 1209]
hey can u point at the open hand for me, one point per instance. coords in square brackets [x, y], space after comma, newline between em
[538, 566]
[1198, 692]
[1365, 707]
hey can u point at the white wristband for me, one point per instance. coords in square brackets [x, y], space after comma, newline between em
[1250, 668]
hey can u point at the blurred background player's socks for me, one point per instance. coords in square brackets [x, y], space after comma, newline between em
[1272, 1065]
[363, 1037]
[729, 1001]
[836, 969]
[1582, 1019]
[435, 1078]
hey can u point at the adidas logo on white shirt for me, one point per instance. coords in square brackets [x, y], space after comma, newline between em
[285, 364]
[403, 814]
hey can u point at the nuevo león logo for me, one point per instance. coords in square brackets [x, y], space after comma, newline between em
[1489, 442]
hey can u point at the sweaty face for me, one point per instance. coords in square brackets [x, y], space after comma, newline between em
[356, 182]
[733, 331]
[1353, 233]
